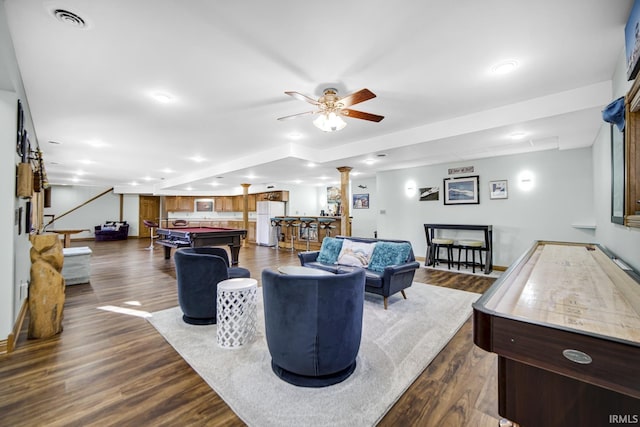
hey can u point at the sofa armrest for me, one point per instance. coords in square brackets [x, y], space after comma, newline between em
[97, 228]
[391, 270]
[309, 256]
[398, 277]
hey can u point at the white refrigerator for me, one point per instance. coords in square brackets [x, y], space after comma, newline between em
[266, 211]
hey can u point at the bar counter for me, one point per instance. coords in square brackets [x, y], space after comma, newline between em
[316, 232]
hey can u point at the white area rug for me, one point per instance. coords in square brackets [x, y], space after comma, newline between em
[397, 345]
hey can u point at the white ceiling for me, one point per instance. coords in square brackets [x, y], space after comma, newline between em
[226, 66]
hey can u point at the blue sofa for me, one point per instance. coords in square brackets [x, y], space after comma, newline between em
[391, 269]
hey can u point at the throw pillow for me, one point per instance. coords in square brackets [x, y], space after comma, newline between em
[388, 253]
[355, 253]
[330, 250]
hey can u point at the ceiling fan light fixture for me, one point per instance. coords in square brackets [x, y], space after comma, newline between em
[329, 122]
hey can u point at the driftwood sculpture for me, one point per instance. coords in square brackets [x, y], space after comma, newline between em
[46, 290]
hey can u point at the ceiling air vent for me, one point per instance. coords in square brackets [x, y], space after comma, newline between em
[69, 18]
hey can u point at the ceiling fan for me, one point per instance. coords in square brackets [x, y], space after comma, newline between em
[331, 107]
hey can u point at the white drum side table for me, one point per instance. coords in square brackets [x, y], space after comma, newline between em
[236, 312]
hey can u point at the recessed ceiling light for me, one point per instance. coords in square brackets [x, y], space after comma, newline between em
[55, 142]
[311, 165]
[517, 135]
[215, 184]
[162, 98]
[87, 162]
[369, 161]
[505, 67]
[356, 173]
[167, 170]
[381, 155]
[133, 183]
[294, 135]
[197, 159]
[96, 143]
[147, 178]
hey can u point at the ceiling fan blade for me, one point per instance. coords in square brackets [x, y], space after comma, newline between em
[295, 116]
[361, 115]
[301, 97]
[357, 97]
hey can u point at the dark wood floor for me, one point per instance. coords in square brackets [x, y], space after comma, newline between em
[107, 368]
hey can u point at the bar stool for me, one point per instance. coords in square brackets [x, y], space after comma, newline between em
[306, 224]
[473, 246]
[290, 224]
[276, 224]
[151, 225]
[440, 243]
[325, 224]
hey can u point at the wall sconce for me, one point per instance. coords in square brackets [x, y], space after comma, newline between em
[526, 180]
[410, 188]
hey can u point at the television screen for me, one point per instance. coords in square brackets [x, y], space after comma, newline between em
[632, 41]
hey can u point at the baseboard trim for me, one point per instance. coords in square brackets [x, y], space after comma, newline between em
[12, 339]
[495, 267]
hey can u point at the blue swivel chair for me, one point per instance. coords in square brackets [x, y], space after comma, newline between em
[313, 325]
[233, 272]
[198, 275]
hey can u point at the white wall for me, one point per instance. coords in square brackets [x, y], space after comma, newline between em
[562, 196]
[7, 211]
[364, 221]
[104, 208]
[622, 241]
[305, 200]
[14, 251]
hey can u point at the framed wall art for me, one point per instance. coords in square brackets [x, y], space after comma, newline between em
[361, 201]
[498, 189]
[204, 205]
[429, 193]
[617, 175]
[461, 191]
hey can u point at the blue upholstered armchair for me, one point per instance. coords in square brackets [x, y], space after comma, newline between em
[198, 275]
[313, 325]
[233, 272]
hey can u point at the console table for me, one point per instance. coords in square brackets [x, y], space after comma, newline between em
[429, 230]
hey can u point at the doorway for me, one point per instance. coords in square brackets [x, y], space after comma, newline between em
[150, 210]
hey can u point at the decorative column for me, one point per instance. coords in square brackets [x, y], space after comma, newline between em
[245, 211]
[46, 290]
[345, 226]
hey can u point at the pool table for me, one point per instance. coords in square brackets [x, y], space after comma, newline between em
[201, 236]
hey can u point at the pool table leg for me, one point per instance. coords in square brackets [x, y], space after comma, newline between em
[167, 252]
[235, 252]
